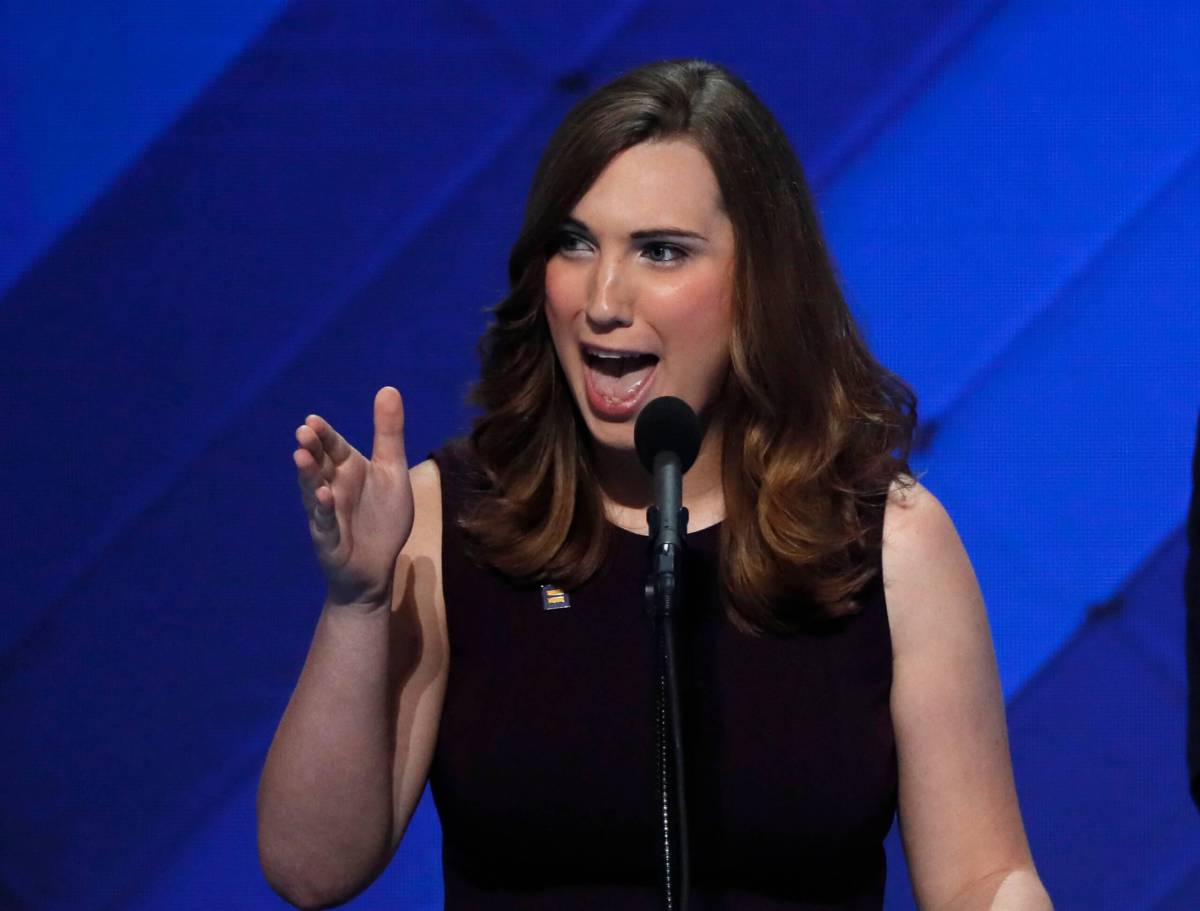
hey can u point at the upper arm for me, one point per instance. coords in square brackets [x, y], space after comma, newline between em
[419, 646]
[959, 816]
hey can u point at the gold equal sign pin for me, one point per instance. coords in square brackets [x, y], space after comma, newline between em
[554, 598]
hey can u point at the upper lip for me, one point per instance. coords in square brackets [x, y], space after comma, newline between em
[589, 348]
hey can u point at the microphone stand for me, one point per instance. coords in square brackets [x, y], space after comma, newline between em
[663, 597]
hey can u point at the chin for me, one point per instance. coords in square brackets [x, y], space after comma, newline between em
[616, 436]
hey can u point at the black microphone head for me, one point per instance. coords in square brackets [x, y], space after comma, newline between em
[667, 424]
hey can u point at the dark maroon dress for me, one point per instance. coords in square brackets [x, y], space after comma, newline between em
[544, 774]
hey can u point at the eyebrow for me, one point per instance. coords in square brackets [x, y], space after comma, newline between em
[644, 234]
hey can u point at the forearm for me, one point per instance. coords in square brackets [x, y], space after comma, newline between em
[325, 798]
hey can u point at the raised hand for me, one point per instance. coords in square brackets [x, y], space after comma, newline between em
[360, 511]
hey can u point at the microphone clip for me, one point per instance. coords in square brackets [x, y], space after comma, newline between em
[654, 521]
[663, 580]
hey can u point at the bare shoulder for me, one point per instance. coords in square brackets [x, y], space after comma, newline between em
[426, 534]
[914, 518]
[926, 570]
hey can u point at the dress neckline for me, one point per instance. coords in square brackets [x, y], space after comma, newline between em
[692, 533]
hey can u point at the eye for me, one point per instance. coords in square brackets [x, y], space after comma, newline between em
[661, 252]
[568, 243]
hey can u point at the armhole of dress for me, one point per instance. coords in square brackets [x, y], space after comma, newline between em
[447, 468]
[451, 466]
[881, 594]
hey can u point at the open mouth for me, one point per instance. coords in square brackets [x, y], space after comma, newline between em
[617, 377]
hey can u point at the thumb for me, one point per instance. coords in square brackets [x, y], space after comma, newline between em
[388, 445]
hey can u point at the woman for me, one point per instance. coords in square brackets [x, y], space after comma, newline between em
[670, 247]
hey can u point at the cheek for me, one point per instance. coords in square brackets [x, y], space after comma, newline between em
[559, 314]
[698, 314]
[561, 295]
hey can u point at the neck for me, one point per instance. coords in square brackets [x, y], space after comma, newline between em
[628, 489]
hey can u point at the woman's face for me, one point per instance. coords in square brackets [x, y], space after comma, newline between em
[639, 288]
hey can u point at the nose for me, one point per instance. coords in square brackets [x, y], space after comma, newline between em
[610, 296]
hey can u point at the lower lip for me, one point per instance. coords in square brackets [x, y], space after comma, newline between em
[616, 410]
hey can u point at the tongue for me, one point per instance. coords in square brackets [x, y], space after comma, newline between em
[618, 380]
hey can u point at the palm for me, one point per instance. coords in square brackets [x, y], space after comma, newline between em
[360, 510]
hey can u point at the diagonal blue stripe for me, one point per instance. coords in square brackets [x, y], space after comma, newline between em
[951, 40]
[98, 127]
[1179, 892]
[1087, 264]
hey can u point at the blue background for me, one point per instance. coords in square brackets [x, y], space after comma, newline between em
[218, 217]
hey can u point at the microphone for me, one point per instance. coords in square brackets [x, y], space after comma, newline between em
[667, 438]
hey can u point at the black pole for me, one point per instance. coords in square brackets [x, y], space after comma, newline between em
[664, 590]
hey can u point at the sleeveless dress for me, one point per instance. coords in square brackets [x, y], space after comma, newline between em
[544, 774]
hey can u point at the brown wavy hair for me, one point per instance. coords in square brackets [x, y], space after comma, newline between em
[815, 429]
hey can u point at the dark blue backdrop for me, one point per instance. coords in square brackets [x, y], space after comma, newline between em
[218, 217]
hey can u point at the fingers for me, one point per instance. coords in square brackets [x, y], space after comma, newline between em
[318, 496]
[331, 441]
[389, 427]
[308, 473]
[309, 442]
[314, 466]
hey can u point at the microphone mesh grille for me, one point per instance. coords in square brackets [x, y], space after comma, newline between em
[667, 423]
